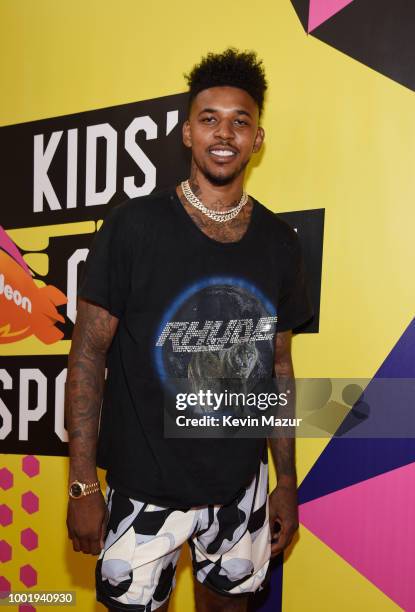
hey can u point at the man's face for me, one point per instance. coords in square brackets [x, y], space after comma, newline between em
[222, 131]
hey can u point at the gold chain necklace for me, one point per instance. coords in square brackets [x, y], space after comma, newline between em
[216, 215]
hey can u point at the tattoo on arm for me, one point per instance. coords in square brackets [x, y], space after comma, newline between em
[283, 448]
[92, 336]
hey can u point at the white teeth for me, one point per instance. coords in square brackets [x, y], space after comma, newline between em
[223, 153]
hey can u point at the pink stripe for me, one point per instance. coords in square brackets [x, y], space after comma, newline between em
[321, 10]
[371, 525]
[8, 245]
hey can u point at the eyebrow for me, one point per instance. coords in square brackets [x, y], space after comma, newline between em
[239, 111]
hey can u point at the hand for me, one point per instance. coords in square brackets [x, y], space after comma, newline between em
[283, 506]
[87, 519]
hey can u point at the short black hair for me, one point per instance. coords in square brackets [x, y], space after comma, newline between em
[231, 68]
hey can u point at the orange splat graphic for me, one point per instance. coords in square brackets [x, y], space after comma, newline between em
[25, 308]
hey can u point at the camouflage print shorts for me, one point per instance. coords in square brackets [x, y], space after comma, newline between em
[230, 546]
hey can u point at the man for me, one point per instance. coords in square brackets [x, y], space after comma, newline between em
[199, 283]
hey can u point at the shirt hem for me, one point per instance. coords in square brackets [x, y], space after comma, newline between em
[100, 301]
[168, 502]
[301, 320]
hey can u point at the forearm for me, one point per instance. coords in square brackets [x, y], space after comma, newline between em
[283, 454]
[83, 396]
[283, 448]
[84, 389]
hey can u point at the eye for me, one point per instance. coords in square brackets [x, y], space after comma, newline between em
[209, 119]
[241, 122]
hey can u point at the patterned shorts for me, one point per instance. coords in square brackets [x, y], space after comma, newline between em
[230, 546]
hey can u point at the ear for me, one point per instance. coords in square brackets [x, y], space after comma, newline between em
[259, 139]
[187, 134]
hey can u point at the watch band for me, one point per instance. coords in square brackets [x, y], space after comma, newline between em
[80, 489]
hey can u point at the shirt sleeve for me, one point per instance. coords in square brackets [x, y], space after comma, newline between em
[294, 305]
[106, 275]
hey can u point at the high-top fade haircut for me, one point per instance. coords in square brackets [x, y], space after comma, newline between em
[231, 68]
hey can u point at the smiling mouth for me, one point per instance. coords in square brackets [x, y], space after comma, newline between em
[222, 153]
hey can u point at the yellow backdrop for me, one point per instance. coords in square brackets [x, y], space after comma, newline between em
[339, 136]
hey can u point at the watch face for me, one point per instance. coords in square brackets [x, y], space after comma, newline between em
[76, 490]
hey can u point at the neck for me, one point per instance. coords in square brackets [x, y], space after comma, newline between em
[216, 197]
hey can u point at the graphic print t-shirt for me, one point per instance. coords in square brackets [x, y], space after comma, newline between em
[188, 307]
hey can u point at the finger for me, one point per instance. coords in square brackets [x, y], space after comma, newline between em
[288, 535]
[278, 545]
[104, 531]
[69, 529]
[95, 547]
[85, 546]
[76, 544]
[281, 541]
[275, 550]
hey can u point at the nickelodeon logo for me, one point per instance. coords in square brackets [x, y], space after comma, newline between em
[25, 308]
[15, 295]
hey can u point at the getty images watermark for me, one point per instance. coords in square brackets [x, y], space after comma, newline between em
[317, 407]
[222, 409]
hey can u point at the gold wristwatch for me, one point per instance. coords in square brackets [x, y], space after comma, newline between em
[80, 489]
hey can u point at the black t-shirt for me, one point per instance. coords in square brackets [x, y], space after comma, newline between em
[186, 304]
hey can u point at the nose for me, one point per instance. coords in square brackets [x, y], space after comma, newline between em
[224, 130]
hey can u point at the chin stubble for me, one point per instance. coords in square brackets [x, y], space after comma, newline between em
[220, 181]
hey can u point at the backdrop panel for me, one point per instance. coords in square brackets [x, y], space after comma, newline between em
[91, 112]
